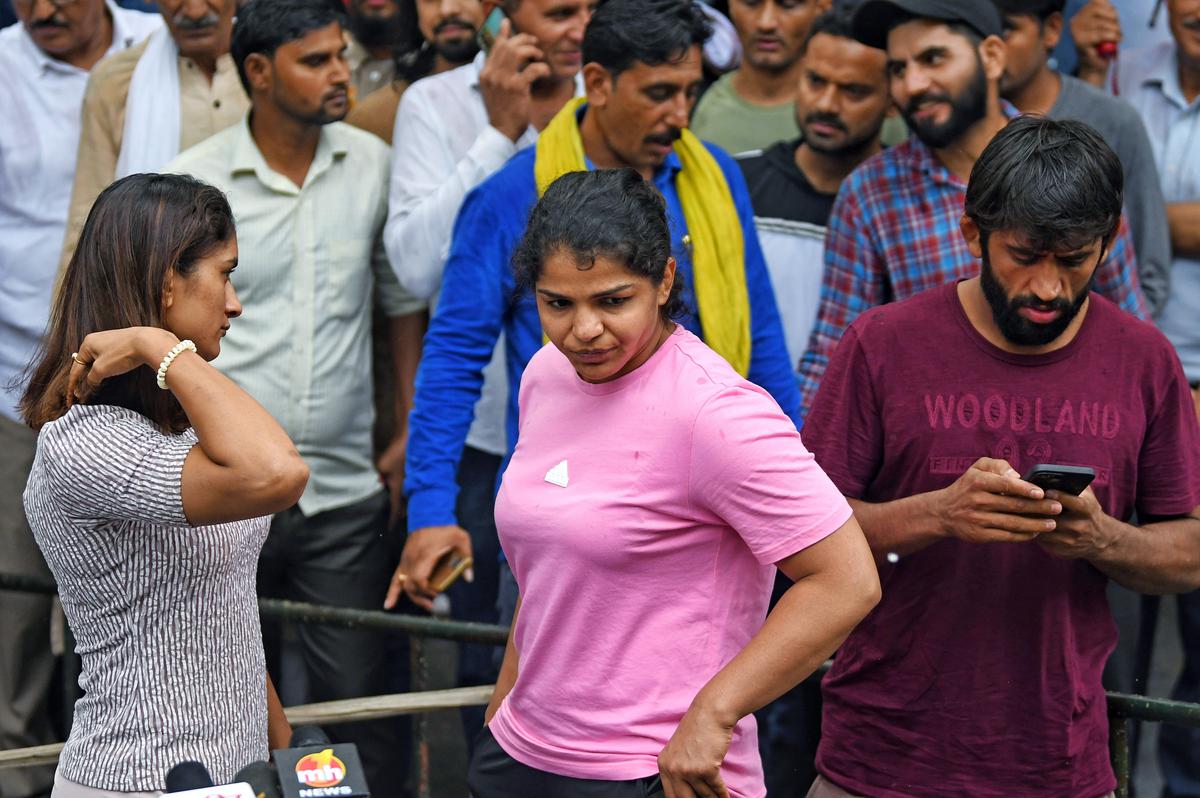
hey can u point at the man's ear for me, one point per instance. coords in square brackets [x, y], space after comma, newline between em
[258, 71]
[1052, 29]
[1107, 244]
[598, 83]
[972, 235]
[993, 52]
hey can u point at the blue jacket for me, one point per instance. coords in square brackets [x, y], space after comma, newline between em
[479, 300]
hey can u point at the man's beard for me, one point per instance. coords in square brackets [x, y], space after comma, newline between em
[1016, 328]
[455, 51]
[967, 108]
[372, 31]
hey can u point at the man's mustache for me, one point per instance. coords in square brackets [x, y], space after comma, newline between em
[915, 103]
[52, 21]
[184, 22]
[828, 119]
[452, 22]
[1061, 304]
[666, 139]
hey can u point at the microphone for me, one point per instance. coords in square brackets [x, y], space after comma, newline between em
[262, 778]
[188, 775]
[313, 767]
[306, 736]
[191, 779]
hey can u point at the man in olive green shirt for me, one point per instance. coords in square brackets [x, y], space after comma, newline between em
[753, 107]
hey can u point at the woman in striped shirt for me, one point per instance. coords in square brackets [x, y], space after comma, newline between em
[151, 492]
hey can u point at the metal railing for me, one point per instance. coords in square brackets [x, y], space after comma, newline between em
[1122, 707]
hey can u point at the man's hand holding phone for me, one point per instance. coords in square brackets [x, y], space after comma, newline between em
[990, 503]
[513, 64]
[1082, 530]
[423, 552]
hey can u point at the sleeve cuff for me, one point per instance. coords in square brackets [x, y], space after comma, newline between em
[432, 507]
[492, 149]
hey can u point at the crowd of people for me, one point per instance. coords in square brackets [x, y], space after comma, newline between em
[719, 336]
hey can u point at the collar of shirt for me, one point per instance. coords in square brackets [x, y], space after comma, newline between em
[246, 157]
[1163, 75]
[122, 38]
[924, 159]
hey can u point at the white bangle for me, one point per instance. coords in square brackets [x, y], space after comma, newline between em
[180, 347]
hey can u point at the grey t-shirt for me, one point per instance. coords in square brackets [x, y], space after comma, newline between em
[164, 614]
[1120, 126]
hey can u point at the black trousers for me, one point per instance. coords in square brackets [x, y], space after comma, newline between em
[495, 774]
[341, 558]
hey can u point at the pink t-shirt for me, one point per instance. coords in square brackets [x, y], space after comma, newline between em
[642, 518]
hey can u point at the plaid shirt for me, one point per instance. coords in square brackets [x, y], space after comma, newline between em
[893, 233]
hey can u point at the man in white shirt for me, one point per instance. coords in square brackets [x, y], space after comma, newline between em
[310, 196]
[45, 59]
[452, 131]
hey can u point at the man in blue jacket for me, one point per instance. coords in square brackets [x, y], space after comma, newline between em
[642, 74]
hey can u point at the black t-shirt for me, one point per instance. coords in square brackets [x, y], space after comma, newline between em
[779, 190]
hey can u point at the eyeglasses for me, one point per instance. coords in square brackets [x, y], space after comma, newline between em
[55, 3]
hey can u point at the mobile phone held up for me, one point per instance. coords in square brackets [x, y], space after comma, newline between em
[1062, 478]
[490, 29]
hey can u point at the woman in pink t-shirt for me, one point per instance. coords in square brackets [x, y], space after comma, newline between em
[651, 496]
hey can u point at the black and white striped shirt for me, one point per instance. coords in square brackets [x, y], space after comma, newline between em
[164, 614]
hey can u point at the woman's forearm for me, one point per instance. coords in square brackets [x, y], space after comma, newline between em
[234, 430]
[508, 671]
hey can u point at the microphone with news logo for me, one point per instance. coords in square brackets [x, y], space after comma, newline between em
[315, 768]
[192, 780]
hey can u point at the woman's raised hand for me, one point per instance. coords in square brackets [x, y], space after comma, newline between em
[111, 353]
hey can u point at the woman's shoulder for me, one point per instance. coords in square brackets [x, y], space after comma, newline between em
[703, 375]
[85, 427]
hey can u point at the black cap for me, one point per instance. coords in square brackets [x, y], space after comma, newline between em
[873, 19]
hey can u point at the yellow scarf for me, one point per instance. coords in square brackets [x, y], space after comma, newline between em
[718, 251]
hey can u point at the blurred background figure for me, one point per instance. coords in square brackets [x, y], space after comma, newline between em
[375, 30]
[752, 107]
[434, 36]
[1032, 29]
[125, 129]
[1162, 82]
[1098, 31]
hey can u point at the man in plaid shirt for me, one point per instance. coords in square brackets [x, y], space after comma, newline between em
[894, 229]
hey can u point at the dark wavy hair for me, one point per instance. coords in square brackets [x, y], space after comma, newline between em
[611, 213]
[1055, 181]
[624, 32]
[263, 26]
[141, 229]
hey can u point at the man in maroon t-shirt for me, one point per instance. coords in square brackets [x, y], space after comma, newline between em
[979, 672]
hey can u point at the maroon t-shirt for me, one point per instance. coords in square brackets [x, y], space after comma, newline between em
[979, 672]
